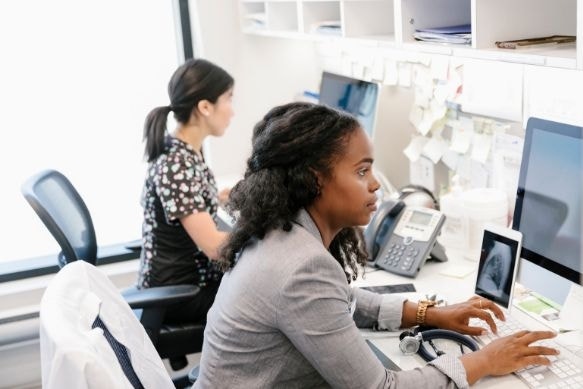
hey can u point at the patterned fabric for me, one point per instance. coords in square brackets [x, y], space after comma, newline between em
[178, 183]
[280, 320]
[452, 367]
[121, 353]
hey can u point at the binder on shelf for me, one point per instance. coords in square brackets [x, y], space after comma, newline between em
[536, 42]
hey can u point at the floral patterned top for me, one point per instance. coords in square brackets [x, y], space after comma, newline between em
[177, 184]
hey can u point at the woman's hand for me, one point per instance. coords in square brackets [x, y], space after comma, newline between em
[456, 317]
[224, 196]
[508, 354]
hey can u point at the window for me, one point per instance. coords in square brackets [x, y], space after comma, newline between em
[77, 81]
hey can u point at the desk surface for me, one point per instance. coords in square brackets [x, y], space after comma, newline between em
[433, 278]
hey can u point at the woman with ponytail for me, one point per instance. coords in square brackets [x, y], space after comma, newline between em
[180, 239]
[285, 315]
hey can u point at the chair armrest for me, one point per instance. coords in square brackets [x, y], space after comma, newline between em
[159, 296]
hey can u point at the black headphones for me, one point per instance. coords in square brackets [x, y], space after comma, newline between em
[410, 190]
[414, 342]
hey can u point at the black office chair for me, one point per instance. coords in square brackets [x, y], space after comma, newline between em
[64, 213]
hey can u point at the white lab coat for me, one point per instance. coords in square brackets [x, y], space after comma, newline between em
[73, 355]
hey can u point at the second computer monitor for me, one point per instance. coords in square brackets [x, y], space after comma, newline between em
[358, 97]
[549, 199]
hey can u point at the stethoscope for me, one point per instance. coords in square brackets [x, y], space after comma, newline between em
[413, 342]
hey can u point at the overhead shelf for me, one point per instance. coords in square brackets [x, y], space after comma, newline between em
[393, 22]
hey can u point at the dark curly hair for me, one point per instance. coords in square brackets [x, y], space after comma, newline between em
[291, 144]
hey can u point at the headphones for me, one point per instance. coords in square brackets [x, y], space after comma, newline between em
[418, 195]
[414, 342]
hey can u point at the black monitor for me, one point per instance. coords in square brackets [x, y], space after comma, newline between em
[354, 96]
[549, 199]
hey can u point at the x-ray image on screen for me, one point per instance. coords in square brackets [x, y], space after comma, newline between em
[496, 268]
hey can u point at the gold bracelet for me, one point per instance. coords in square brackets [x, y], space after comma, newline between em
[422, 310]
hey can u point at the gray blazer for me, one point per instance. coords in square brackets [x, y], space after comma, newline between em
[281, 319]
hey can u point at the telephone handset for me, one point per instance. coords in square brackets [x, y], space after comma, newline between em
[400, 238]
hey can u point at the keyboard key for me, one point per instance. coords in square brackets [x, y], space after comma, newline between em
[565, 370]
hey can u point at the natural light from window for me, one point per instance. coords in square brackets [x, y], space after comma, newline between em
[77, 80]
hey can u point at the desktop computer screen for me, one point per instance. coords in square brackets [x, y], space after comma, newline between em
[549, 197]
[357, 97]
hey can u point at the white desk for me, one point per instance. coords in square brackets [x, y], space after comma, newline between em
[429, 280]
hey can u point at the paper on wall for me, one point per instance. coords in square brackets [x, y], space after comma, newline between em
[439, 67]
[493, 89]
[404, 74]
[479, 175]
[332, 64]
[415, 148]
[461, 135]
[358, 70]
[416, 115]
[464, 168]
[346, 65]
[441, 92]
[421, 98]
[506, 160]
[377, 71]
[422, 172]
[481, 144]
[422, 77]
[438, 109]
[426, 123]
[391, 72]
[450, 159]
[553, 94]
[434, 149]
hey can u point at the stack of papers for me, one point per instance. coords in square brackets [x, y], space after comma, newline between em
[327, 27]
[461, 34]
[255, 20]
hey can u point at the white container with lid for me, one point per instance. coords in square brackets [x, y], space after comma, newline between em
[482, 206]
[454, 233]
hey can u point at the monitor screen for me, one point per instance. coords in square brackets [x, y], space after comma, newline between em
[548, 200]
[351, 95]
[497, 267]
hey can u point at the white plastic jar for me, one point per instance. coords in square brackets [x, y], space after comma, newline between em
[481, 206]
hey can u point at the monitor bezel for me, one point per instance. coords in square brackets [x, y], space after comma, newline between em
[538, 259]
[327, 74]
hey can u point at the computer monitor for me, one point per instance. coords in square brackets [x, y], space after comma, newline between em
[549, 202]
[358, 97]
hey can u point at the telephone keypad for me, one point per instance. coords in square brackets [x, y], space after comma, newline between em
[409, 244]
[403, 257]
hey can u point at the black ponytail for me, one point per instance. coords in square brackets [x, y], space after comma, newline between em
[192, 82]
[155, 131]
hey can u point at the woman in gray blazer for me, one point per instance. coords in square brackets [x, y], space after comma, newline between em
[283, 315]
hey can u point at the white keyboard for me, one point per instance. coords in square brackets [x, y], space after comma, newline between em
[565, 371]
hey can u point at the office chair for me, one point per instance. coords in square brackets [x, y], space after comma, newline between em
[60, 207]
[90, 338]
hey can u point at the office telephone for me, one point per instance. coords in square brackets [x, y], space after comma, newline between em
[400, 238]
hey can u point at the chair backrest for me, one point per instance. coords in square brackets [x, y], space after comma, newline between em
[90, 338]
[64, 213]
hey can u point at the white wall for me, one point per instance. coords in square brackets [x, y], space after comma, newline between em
[267, 71]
